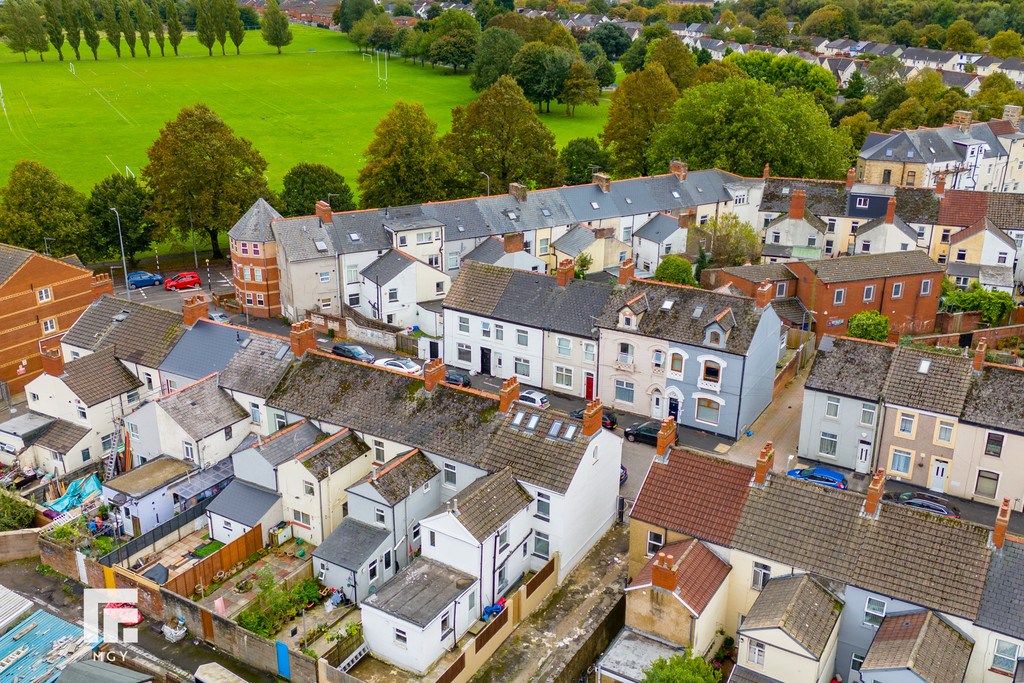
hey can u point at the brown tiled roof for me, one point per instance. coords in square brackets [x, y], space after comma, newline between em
[202, 408]
[62, 436]
[1002, 127]
[1005, 209]
[981, 225]
[490, 502]
[699, 573]
[99, 376]
[676, 496]
[962, 207]
[395, 479]
[800, 607]
[333, 453]
[996, 399]
[758, 273]
[850, 367]
[872, 266]
[140, 334]
[922, 642]
[942, 388]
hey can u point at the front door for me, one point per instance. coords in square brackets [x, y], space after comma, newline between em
[864, 456]
[657, 406]
[136, 527]
[485, 361]
[435, 350]
[673, 408]
[589, 382]
[937, 482]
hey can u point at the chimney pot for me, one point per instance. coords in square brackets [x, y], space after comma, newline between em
[323, 212]
[592, 416]
[53, 362]
[303, 337]
[763, 294]
[566, 269]
[940, 184]
[851, 176]
[890, 210]
[603, 181]
[518, 190]
[509, 393]
[514, 241]
[875, 493]
[1011, 113]
[194, 308]
[1002, 520]
[764, 464]
[662, 574]
[666, 436]
[679, 169]
[626, 270]
[979, 355]
[767, 172]
[797, 202]
[433, 373]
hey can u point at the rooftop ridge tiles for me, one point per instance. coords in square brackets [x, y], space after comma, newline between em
[187, 386]
[321, 444]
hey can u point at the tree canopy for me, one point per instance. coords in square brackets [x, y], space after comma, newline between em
[870, 325]
[675, 269]
[132, 202]
[22, 27]
[351, 11]
[731, 242]
[36, 204]
[305, 184]
[684, 668]
[275, 26]
[494, 54]
[612, 38]
[581, 158]
[639, 105]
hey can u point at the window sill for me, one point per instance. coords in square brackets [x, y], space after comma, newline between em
[1001, 672]
[543, 519]
[540, 557]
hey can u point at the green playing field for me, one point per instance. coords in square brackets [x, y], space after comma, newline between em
[318, 102]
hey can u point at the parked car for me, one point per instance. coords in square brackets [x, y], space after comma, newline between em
[645, 432]
[922, 500]
[141, 278]
[219, 317]
[534, 398]
[623, 474]
[353, 351]
[183, 281]
[401, 364]
[608, 420]
[820, 475]
[456, 377]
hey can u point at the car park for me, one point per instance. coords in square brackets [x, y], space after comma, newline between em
[405, 365]
[820, 475]
[645, 432]
[352, 352]
[534, 398]
[921, 500]
[608, 419]
[141, 278]
[183, 281]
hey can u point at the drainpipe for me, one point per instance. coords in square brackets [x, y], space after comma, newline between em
[739, 405]
[494, 567]
[394, 539]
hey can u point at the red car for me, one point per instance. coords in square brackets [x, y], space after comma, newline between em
[130, 616]
[182, 281]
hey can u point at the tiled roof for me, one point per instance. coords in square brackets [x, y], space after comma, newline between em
[1002, 602]
[575, 241]
[387, 267]
[447, 421]
[408, 472]
[962, 207]
[258, 366]
[243, 502]
[917, 204]
[254, 225]
[922, 642]
[761, 272]
[941, 388]
[351, 544]
[880, 222]
[798, 605]
[850, 367]
[145, 334]
[334, 453]
[205, 348]
[678, 322]
[488, 251]
[872, 266]
[98, 377]
[659, 228]
[62, 436]
[202, 408]
[791, 310]
[284, 444]
[699, 573]
[489, 502]
[996, 399]
[550, 463]
[677, 496]
[808, 219]
[1005, 209]
[824, 197]
[11, 259]
[741, 674]
[302, 239]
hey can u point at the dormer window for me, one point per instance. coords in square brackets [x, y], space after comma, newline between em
[627, 320]
[715, 337]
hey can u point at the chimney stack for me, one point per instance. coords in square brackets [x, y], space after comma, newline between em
[687, 219]
[763, 294]
[979, 355]
[433, 373]
[1011, 113]
[455, 506]
[566, 269]
[890, 210]
[963, 118]
[767, 172]
[518, 190]
[626, 270]
[940, 184]
[603, 181]
[53, 362]
[678, 169]
[509, 393]
[194, 308]
[102, 284]
[604, 233]
[875, 489]
[797, 202]
[592, 416]
[514, 241]
[666, 438]
[764, 464]
[663, 575]
[1002, 520]
[323, 212]
[851, 177]
[303, 337]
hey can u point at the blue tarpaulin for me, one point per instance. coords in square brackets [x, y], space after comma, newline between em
[80, 491]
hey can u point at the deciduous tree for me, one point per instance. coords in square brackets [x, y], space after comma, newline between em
[612, 38]
[132, 202]
[35, 204]
[174, 27]
[731, 241]
[72, 25]
[54, 28]
[870, 325]
[494, 54]
[22, 27]
[684, 668]
[158, 29]
[90, 30]
[560, 37]
[961, 37]
[680, 64]
[276, 30]
[351, 11]
[111, 27]
[579, 87]
[675, 269]
[772, 28]
[455, 48]
[202, 175]
[306, 184]
[641, 102]
[634, 58]
[581, 158]
[603, 70]
[1006, 44]
[235, 27]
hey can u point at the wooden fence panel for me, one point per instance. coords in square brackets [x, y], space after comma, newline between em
[454, 670]
[205, 571]
[533, 584]
[493, 627]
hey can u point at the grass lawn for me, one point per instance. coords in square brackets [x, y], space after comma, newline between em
[208, 549]
[318, 102]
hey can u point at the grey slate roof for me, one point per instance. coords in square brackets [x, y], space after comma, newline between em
[527, 298]
[387, 267]
[145, 335]
[872, 266]
[824, 197]
[659, 228]
[850, 367]
[202, 408]
[791, 310]
[408, 472]
[798, 605]
[761, 272]
[996, 399]
[98, 376]
[1002, 601]
[488, 251]
[942, 389]
[285, 444]
[489, 502]
[574, 241]
[418, 593]
[90, 671]
[62, 436]
[351, 544]
[243, 502]
[334, 453]
[11, 259]
[932, 145]
[258, 366]
[206, 348]
[254, 225]
[297, 238]
[355, 231]
[741, 674]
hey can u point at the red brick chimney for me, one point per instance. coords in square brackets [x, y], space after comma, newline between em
[890, 210]
[604, 233]
[603, 181]
[797, 202]
[303, 337]
[940, 184]
[851, 177]
[101, 284]
[687, 219]
[53, 362]
[509, 393]
[678, 169]
[875, 489]
[517, 190]
[767, 172]
[566, 269]
[592, 417]
[194, 308]
[1002, 520]
[514, 242]
[666, 436]
[323, 212]
[433, 372]
[626, 270]
[979, 355]
[764, 464]
[662, 574]
[763, 294]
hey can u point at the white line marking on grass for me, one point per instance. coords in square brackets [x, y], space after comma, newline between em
[5, 114]
[29, 108]
[135, 72]
[116, 167]
[114, 108]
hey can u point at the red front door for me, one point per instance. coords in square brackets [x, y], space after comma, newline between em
[590, 387]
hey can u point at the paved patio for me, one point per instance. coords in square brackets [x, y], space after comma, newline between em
[335, 620]
[282, 563]
[176, 557]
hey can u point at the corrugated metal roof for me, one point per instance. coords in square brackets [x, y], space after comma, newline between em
[12, 606]
[45, 645]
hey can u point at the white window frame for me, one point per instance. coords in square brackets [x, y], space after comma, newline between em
[869, 293]
[832, 406]
[43, 295]
[833, 439]
[873, 613]
[897, 290]
[325, 276]
[564, 371]
[49, 325]
[522, 337]
[450, 481]
[655, 542]
[926, 287]
[839, 297]
[625, 386]
[899, 426]
[762, 574]
[589, 352]
[755, 652]
[464, 352]
[903, 452]
[998, 658]
[463, 325]
[393, 295]
[543, 506]
[868, 409]
[862, 202]
[564, 346]
[945, 424]
[540, 538]
[401, 639]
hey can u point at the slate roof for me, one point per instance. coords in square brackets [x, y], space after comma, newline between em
[11, 259]
[917, 204]
[62, 436]
[98, 376]
[90, 671]
[418, 593]
[394, 480]
[488, 251]
[284, 444]
[297, 239]
[574, 241]
[659, 228]
[678, 323]
[351, 544]
[962, 207]
[202, 408]
[880, 222]
[996, 399]
[243, 502]
[355, 231]
[790, 309]
[824, 197]
[850, 367]
[254, 225]
[942, 389]
[489, 502]
[699, 573]
[1002, 602]
[204, 349]
[760, 272]
[387, 267]
[874, 266]
[922, 642]
[741, 674]
[145, 335]
[258, 366]
[369, 399]
[808, 218]
[799, 606]
[932, 145]
[528, 298]
[550, 463]
[333, 453]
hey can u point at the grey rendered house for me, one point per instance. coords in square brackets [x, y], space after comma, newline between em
[842, 397]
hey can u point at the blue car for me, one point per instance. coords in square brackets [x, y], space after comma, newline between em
[820, 475]
[141, 278]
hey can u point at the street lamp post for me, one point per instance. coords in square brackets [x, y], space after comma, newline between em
[124, 262]
[488, 182]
